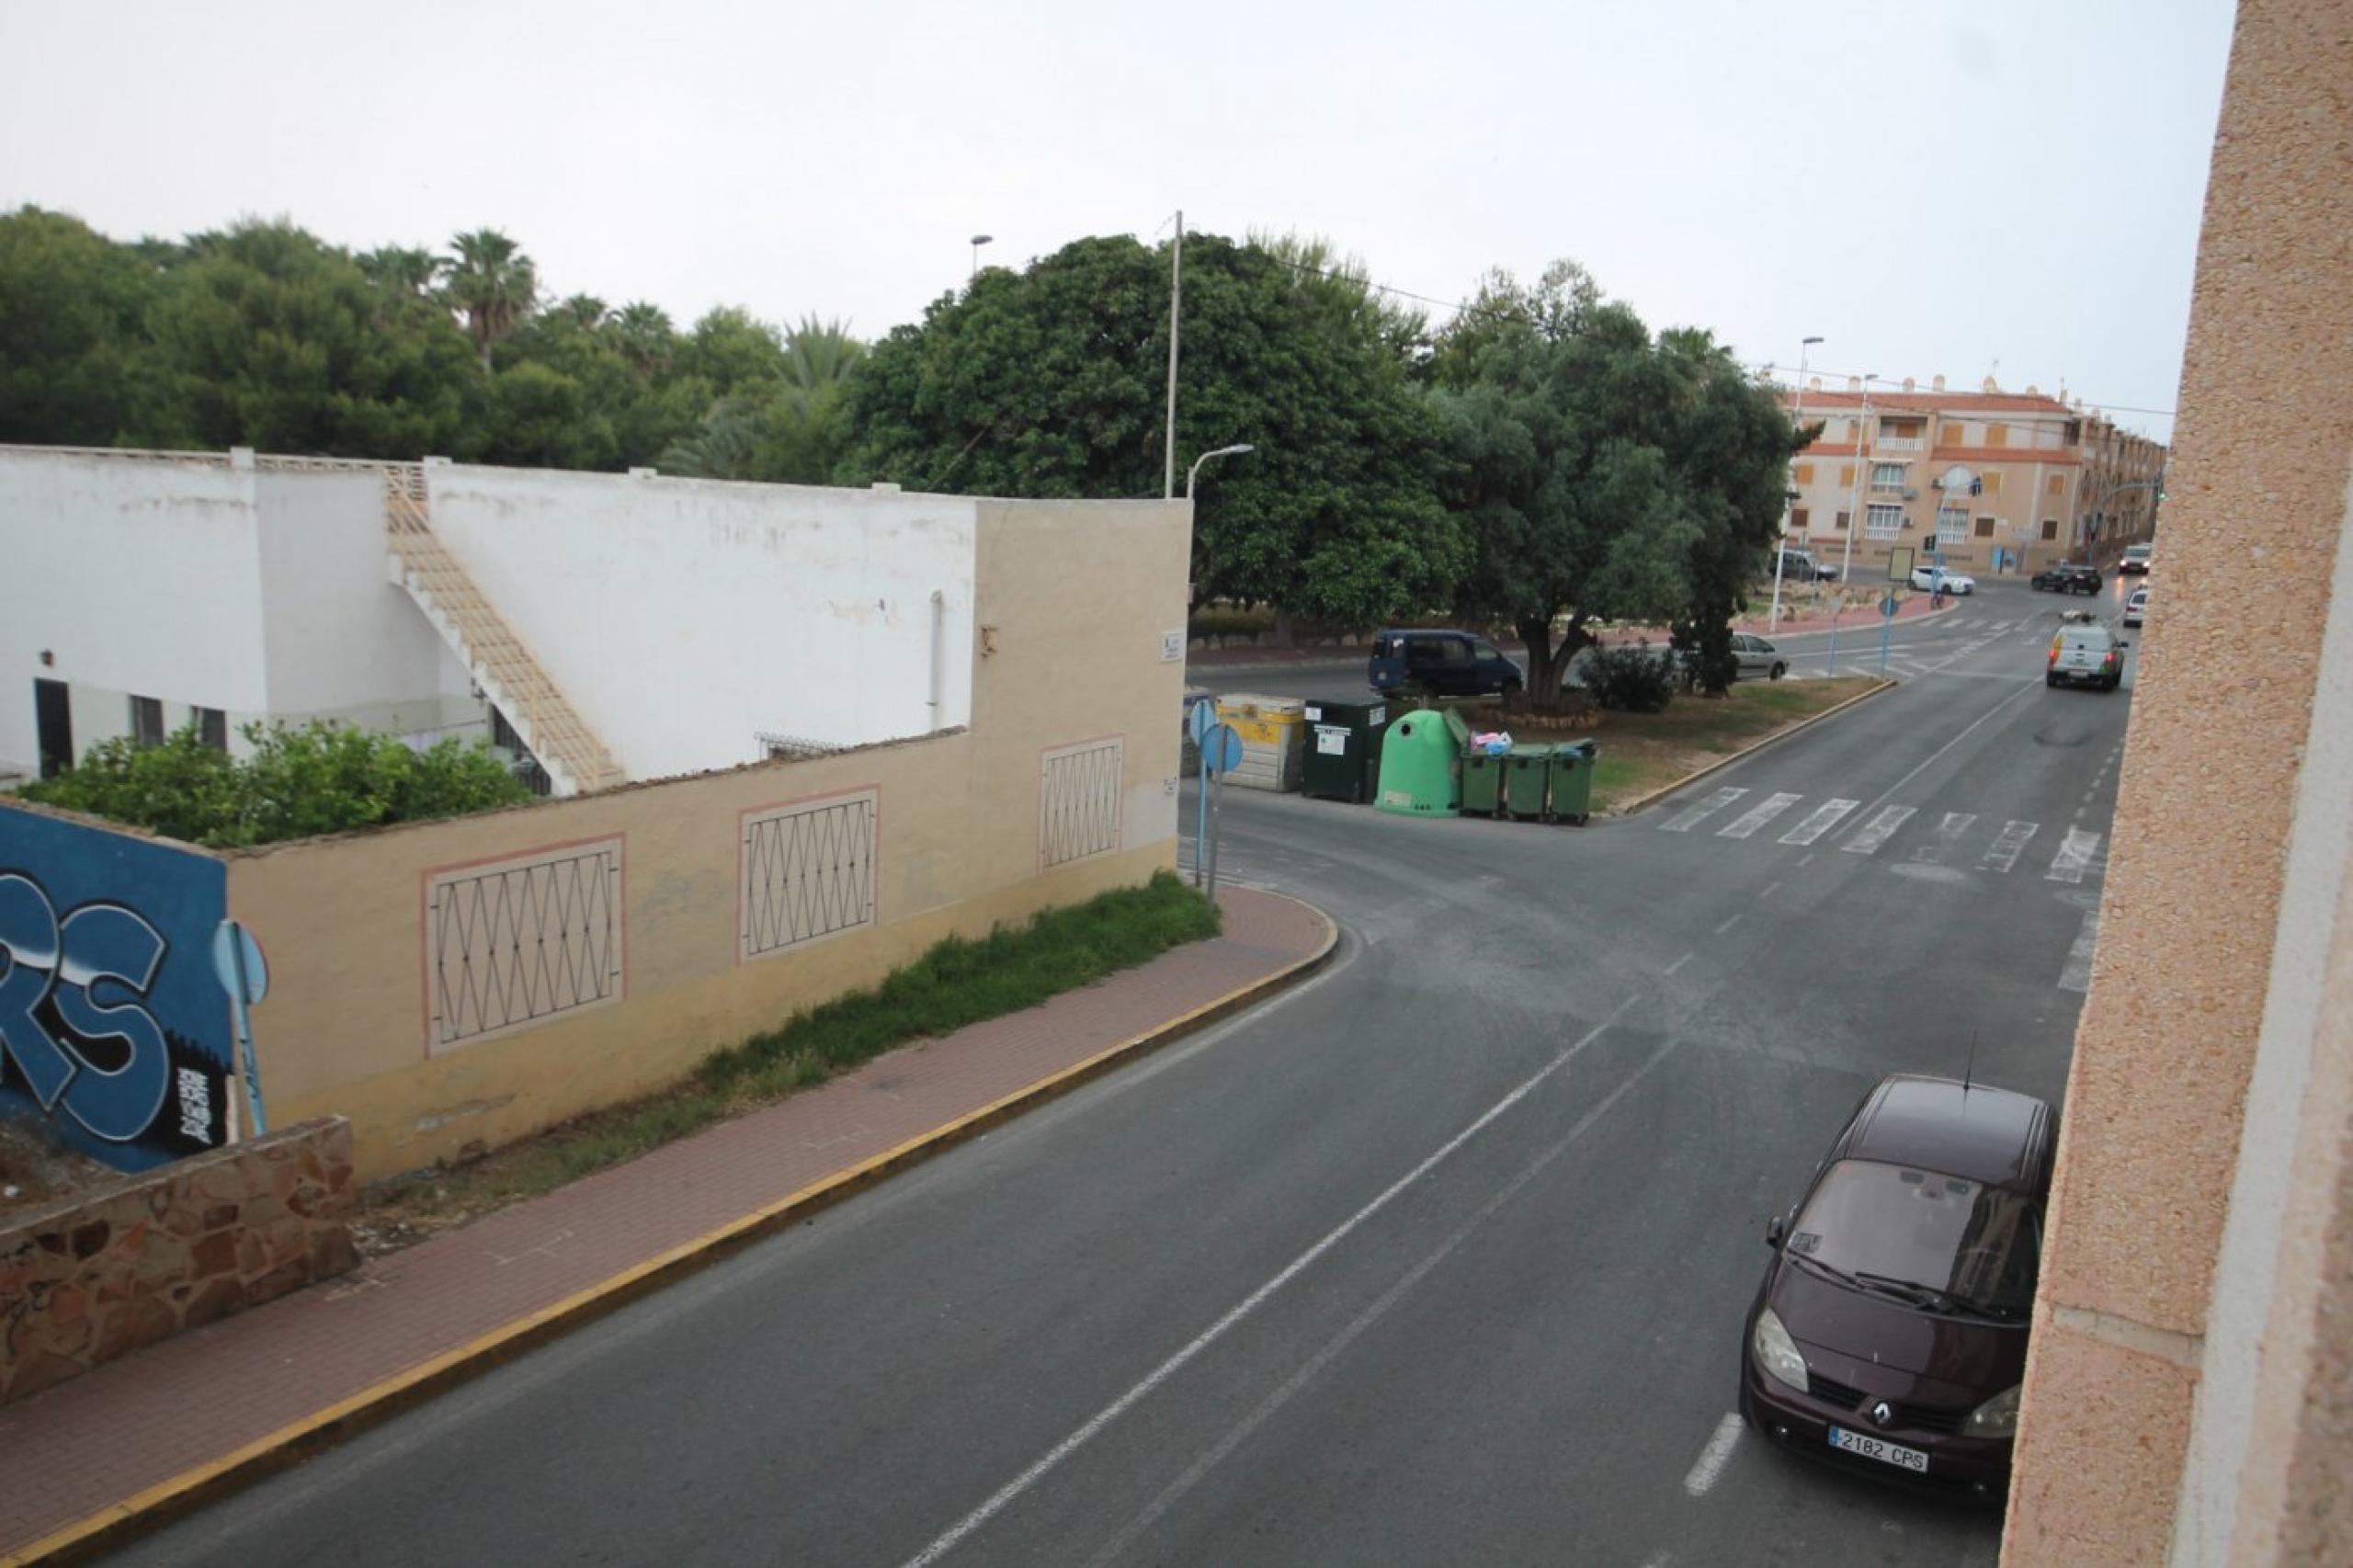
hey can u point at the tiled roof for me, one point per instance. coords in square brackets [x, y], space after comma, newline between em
[1964, 402]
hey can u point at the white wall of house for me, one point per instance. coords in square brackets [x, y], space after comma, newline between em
[684, 618]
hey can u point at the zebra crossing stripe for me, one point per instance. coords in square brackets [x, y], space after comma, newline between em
[1948, 834]
[2075, 856]
[1822, 818]
[2009, 846]
[1758, 815]
[2078, 975]
[1878, 831]
[1704, 810]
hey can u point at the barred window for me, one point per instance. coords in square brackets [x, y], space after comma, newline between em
[1078, 800]
[807, 871]
[514, 942]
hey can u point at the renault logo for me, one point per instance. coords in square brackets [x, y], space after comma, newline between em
[1882, 1412]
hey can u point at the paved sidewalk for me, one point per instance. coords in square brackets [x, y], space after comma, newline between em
[176, 1422]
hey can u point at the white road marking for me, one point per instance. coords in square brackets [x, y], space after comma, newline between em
[2075, 856]
[1821, 820]
[1006, 1495]
[1930, 760]
[1878, 831]
[1948, 834]
[1713, 1458]
[1679, 962]
[1117, 1547]
[1683, 822]
[2008, 848]
[1770, 889]
[1757, 815]
[1727, 924]
[2078, 975]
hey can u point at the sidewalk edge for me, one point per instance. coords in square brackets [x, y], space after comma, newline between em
[1644, 802]
[348, 1417]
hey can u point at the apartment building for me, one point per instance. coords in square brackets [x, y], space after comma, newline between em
[1993, 481]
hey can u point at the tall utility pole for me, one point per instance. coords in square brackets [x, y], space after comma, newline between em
[1175, 294]
[1854, 521]
[1773, 622]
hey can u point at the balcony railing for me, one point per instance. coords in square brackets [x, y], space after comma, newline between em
[1901, 444]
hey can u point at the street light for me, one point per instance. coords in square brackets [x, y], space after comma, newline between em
[978, 241]
[1232, 451]
[1773, 622]
[1854, 520]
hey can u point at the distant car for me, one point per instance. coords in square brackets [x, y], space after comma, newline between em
[1925, 579]
[2085, 651]
[1890, 1331]
[1758, 657]
[2136, 607]
[2068, 578]
[2137, 558]
[1800, 566]
[1441, 662]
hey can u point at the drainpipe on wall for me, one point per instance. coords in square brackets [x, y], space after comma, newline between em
[938, 649]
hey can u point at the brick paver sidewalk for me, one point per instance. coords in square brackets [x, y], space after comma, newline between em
[231, 1391]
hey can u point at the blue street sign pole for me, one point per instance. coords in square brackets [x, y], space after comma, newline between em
[1223, 746]
[1886, 625]
[237, 964]
[1201, 721]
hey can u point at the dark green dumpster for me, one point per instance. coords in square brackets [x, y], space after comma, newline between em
[1572, 772]
[1343, 749]
[1483, 782]
[1526, 770]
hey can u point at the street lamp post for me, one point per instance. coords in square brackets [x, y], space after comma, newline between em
[1854, 521]
[978, 241]
[1773, 622]
[1193, 472]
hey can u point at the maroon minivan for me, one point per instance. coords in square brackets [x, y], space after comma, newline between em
[1890, 1331]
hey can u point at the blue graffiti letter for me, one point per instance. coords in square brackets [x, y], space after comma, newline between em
[27, 969]
[107, 946]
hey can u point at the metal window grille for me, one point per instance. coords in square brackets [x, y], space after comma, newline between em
[1078, 801]
[521, 940]
[1882, 522]
[807, 871]
[1952, 525]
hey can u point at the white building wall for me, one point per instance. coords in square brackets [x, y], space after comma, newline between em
[339, 639]
[135, 576]
[684, 618]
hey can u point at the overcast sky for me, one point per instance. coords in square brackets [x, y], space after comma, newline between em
[1931, 188]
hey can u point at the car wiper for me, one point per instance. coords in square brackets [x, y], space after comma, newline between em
[1908, 1290]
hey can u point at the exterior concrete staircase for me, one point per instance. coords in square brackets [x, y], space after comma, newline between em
[575, 759]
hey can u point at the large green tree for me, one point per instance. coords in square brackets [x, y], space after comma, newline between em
[1597, 468]
[493, 284]
[1050, 382]
[74, 365]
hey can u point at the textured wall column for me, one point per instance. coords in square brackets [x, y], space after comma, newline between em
[2192, 911]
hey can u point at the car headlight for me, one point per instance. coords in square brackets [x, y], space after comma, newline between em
[1997, 1418]
[1777, 1352]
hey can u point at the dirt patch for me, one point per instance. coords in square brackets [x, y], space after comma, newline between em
[34, 1171]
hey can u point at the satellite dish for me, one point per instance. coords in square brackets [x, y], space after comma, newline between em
[1958, 481]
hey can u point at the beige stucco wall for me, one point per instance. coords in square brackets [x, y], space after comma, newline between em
[2174, 1410]
[1072, 600]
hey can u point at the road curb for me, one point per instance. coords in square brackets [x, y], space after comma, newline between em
[1643, 803]
[347, 1418]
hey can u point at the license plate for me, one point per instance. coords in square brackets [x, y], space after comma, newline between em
[1875, 1449]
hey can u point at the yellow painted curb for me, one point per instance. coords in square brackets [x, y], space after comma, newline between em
[1642, 802]
[349, 1416]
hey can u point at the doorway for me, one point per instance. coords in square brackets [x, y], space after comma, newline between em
[53, 713]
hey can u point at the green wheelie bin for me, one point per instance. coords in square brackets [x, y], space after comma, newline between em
[1483, 782]
[1527, 771]
[1572, 771]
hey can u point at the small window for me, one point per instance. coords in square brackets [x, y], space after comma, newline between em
[1846, 476]
[2050, 528]
[1845, 519]
[1986, 527]
[1887, 476]
[1952, 525]
[212, 728]
[1997, 434]
[1806, 473]
[1798, 518]
[147, 720]
[2058, 485]
[1993, 483]
[1882, 522]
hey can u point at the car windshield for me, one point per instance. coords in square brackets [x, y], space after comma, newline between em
[1975, 1245]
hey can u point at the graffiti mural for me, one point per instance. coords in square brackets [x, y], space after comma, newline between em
[113, 1030]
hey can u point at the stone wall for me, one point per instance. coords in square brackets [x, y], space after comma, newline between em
[89, 1278]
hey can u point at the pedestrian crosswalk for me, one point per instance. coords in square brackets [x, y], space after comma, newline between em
[1942, 838]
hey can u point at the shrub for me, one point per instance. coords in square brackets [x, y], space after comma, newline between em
[1637, 679]
[322, 777]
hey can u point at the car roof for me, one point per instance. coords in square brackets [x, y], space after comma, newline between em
[1994, 1136]
[1425, 631]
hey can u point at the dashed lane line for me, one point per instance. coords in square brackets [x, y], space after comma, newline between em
[1714, 1457]
[1878, 831]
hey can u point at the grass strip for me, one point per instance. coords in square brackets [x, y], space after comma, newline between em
[957, 982]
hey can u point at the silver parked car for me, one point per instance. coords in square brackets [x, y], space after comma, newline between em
[1758, 657]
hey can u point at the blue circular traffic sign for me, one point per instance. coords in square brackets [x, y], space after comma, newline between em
[1887, 606]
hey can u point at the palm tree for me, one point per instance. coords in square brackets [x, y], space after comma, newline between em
[819, 354]
[488, 279]
[585, 310]
[399, 269]
[646, 336]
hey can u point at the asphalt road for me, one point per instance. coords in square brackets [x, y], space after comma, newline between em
[1440, 1258]
[1911, 646]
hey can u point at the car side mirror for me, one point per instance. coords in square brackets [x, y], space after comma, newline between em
[2121, 645]
[1774, 1231]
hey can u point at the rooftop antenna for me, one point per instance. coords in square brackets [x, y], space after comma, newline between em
[1969, 1073]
